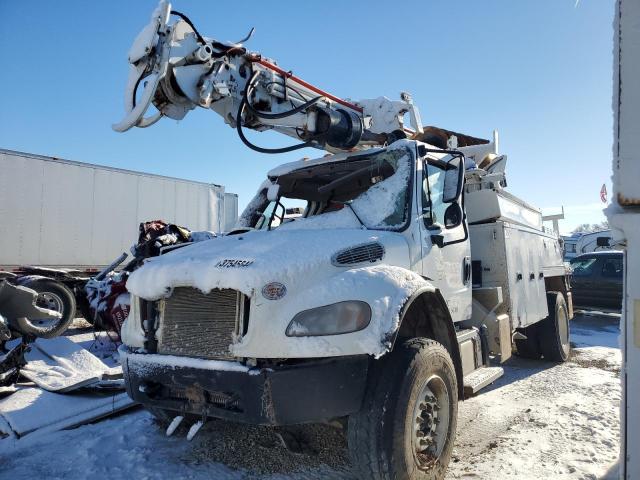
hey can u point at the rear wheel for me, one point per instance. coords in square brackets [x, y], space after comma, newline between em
[406, 427]
[554, 330]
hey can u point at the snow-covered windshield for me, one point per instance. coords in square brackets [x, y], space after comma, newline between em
[370, 190]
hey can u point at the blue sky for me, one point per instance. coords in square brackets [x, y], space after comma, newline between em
[538, 71]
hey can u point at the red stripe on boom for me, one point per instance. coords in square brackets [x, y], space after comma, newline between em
[277, 69]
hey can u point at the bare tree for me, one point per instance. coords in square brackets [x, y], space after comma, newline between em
[591, 227]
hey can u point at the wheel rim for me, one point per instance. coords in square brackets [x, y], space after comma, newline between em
[50, 301]
[430, 422]
[563, 329]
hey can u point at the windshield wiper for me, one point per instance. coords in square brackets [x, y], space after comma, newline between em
[348, 204]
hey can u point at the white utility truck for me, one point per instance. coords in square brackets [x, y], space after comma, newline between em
[404, 284]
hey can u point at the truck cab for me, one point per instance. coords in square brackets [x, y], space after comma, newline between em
[397, 291]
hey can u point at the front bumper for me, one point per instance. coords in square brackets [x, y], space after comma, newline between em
[309, 391]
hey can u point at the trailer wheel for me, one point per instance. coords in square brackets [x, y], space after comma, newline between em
[529, 347]
[55, 296]
[407, 424]
[554, 330]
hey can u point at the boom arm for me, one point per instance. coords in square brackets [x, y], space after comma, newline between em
[180, 69]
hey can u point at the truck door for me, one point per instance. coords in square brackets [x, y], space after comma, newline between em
[446, 254]
[583, 284]
[611, 281]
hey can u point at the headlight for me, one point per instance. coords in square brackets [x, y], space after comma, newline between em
[341, 317]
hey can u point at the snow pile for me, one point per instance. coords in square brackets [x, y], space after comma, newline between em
[340, 219]
[35, 412]
[59, 364]
[202, 236]
[386, 201]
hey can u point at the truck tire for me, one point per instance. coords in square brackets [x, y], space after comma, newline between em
[554, 330]
[53, 296]
[530, 346]
[407, 424]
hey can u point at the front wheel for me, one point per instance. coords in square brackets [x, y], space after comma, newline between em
[406, 426]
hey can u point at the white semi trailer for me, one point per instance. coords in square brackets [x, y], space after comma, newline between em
[410, 276]
[65, 214]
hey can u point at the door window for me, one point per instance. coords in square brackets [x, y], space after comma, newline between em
[612, 268]
[583, 267]
[432, 188]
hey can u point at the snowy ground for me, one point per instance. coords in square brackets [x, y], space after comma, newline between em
[539, 421]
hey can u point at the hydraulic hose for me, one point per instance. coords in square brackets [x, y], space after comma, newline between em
[190, 23]
[245, 103]
[274, 116]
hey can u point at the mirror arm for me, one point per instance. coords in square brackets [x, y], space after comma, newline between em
[438, 240]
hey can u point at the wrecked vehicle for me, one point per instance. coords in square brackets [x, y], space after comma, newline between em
[403, 285]
[18, 306]
[101, 299]
[382, 303]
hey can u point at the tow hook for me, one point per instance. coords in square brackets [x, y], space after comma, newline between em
[175, 423]
[195, 428]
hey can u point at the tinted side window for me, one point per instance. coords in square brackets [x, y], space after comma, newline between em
[612, 268]
[583, 267]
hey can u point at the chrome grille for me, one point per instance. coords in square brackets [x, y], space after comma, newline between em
[368, 252]
[201, 325]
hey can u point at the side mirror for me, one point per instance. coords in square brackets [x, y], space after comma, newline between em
[453, 179]
[603, 241]
[453, 215]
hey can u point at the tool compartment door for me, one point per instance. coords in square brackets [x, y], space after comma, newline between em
[524, 252]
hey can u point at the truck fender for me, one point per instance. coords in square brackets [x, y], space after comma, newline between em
[425, 314]
[25, 280]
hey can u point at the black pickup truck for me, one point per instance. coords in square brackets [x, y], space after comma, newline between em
[597, 280]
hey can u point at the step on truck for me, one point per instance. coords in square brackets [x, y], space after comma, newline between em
[409, 277]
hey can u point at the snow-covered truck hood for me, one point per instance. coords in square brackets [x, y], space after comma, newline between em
[301, 260]
[248, 261]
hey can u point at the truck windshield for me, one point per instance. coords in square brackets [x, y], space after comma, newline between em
[370, 190]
